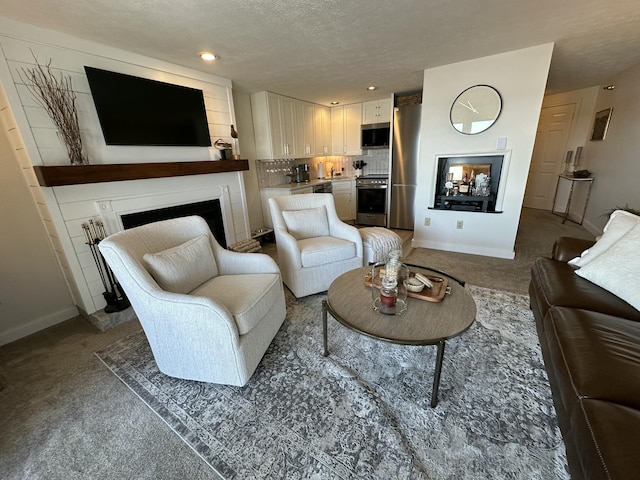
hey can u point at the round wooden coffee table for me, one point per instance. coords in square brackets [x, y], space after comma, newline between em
[350, 302]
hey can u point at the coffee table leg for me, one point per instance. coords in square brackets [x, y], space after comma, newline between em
[436, 374]
[324, 327]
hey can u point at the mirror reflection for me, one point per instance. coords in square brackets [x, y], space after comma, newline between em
[468, 179]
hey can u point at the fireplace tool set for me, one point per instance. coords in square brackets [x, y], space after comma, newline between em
[114, 295]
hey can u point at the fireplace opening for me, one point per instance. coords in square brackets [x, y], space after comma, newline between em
[479, 193]
[209, 210]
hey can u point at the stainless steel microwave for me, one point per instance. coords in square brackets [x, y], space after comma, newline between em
[375, 135]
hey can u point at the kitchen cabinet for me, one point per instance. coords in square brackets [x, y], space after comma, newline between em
[304, 129]
[274, 125]
[345, 129]
[376, 111]
[344, 198]
[322, 124]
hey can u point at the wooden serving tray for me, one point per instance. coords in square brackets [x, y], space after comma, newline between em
[434, 294]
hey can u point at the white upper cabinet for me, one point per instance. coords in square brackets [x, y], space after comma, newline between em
[289, 128]
[288, 122]
[274, 125]
[305, 129]
[322, 121]
[376, 111]
[345, 129]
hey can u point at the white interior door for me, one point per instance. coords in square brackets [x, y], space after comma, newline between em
[548, 157]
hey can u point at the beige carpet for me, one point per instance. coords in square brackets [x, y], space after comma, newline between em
[536, 234]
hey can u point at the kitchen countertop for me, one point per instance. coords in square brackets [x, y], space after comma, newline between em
[312, 182]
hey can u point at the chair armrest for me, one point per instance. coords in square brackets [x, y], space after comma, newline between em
[238, 263]
[288, 247]
[202, 316]
[347, 232]
[566, 248]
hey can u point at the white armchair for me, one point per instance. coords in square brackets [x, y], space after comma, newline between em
[209, 314]
[314, 245]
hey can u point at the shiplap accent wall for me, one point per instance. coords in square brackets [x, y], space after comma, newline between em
[65, 208]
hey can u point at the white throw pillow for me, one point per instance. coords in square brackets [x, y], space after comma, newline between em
[616, 270]
[183, 268]
[307, 223]
[620, 222]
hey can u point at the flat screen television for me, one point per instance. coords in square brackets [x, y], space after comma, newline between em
[139, 111]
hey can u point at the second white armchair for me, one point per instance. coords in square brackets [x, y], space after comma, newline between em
[314, 245]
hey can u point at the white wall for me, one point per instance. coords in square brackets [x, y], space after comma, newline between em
[615, 161]
[247, 147]
[27, 263]
[520, 77]
[65, 208]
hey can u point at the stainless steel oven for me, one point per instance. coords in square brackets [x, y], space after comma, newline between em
[371, 200]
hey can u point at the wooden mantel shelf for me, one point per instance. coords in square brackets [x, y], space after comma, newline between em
[57, 175]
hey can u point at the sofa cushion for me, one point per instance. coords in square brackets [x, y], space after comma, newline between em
[182, 268]
[596, 355]
[616, 270]
[324, 250]
[606, 435]
[620, 222]
[307, 223]
[247, 297]
[555, 283]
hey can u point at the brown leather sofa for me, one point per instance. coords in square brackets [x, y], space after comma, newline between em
[590, 342]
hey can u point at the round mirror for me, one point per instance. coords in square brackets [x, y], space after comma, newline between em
[476, 109]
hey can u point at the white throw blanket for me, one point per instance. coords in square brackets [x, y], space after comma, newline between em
[381, 241]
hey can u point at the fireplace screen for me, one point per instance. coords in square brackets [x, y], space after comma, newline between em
[210, 210]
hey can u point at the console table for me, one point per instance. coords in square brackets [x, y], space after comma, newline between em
[572, 182]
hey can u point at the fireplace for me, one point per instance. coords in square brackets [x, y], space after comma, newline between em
[485, 170]
[209, 210]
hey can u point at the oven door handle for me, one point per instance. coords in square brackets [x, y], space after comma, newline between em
[371, 187]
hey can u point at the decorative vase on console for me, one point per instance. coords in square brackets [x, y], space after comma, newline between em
[74, 150]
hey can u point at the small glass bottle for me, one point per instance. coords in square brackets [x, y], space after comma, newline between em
[463, 188]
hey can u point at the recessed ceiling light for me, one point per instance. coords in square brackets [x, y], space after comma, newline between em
[335, 103]
[208, 56]
[372, 87]
[610, 87]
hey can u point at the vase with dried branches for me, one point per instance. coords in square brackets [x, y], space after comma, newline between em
[57, 97]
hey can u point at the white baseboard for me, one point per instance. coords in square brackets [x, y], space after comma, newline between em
[37, 324]
[473, 250]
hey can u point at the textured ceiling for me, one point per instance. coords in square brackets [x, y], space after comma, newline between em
[326, 50]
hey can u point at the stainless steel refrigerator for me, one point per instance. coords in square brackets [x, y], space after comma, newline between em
[404, 165]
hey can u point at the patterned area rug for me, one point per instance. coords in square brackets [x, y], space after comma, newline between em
[363, 412]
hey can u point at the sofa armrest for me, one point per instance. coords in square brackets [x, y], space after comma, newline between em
[566, 248]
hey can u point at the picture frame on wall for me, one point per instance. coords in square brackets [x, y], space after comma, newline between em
[601, 124]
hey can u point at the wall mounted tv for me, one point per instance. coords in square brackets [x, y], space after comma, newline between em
[139, 111]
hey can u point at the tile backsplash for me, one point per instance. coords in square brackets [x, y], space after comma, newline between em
[274, 172]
